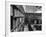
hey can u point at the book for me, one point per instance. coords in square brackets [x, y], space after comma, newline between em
[23, 18]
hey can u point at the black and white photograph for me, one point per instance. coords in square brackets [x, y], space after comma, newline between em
[24, 18]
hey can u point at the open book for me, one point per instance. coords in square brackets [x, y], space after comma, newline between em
[23, 18]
